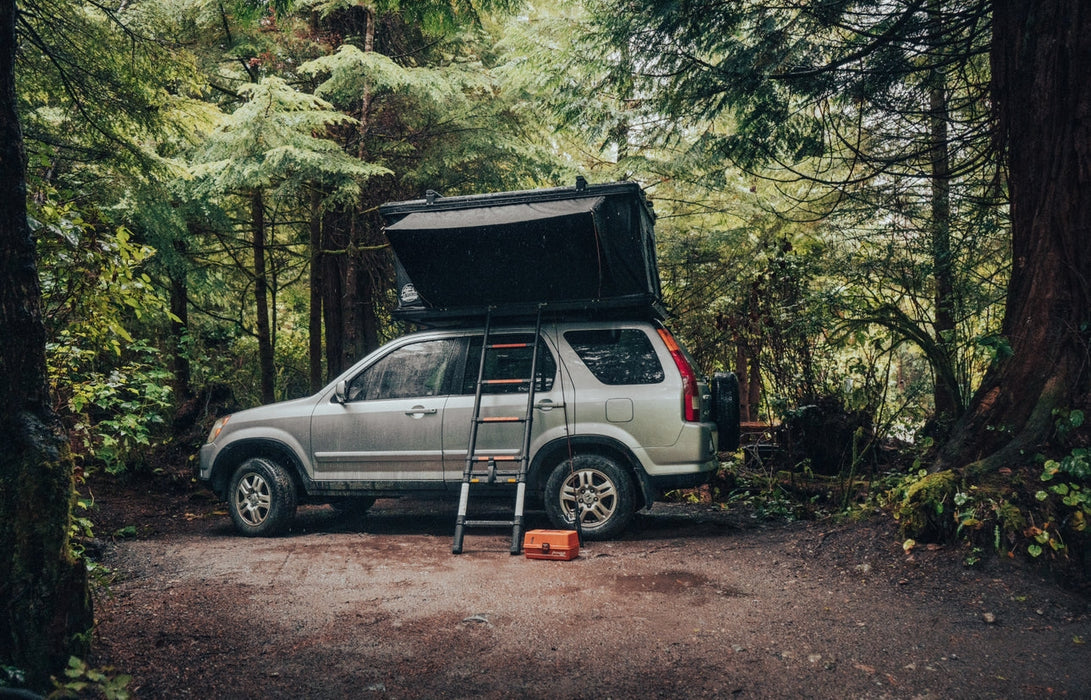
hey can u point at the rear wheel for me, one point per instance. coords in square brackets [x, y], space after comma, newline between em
[262, 498]
[596, 486]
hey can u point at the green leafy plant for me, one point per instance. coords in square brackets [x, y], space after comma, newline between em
[118, 411]
[80, 679]
[12, 677]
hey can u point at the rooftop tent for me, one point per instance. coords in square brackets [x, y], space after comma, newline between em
[591, 247]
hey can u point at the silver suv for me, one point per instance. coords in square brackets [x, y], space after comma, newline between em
[620, 414]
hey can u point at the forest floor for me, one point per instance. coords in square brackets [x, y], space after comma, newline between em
[694, 601]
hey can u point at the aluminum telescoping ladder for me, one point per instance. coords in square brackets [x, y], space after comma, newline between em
[482, 468]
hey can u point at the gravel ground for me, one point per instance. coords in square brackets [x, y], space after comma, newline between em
[694, 601]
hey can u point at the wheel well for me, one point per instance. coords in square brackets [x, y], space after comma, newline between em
[558, 451]
[237, 453]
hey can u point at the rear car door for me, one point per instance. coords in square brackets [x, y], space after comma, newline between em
[549, 414]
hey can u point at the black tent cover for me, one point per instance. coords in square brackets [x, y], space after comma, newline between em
[587, 248]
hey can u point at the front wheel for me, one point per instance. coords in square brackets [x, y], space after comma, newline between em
[600, 489]
[262, 498]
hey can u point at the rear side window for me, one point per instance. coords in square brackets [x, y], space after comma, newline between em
[509, 363]
[622, 356]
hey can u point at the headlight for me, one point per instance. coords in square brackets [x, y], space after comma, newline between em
[217, 428]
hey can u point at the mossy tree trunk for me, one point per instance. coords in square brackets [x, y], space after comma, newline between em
[45, 606]
[1040, 53]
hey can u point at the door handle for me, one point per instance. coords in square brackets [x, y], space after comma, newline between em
[418, 411]
[547, 405]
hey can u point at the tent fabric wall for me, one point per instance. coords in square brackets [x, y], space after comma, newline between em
[568, 248]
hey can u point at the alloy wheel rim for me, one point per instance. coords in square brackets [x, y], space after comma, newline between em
[593, 492]
[253, 499]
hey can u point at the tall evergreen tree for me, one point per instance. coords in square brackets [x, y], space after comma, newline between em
[268, 147]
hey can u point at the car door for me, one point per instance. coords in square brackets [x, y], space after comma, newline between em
[390, 425]
[510, 400]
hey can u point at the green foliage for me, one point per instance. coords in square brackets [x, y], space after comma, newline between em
[979, 511]
[110, 386]
[1070, 483]
[270, 143]
[123, 408]
[91, 89]
[12, 677]
[80, 679]
[757, 486]
[93, 282]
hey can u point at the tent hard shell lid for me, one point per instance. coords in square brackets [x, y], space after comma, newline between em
[588, 248]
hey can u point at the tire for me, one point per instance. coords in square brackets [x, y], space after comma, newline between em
[725, 410]
[352, 505]
[261, 498]
[604, 490]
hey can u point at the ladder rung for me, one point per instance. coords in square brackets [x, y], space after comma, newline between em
[501, 419]
[505, 381]
[496, 458]
[507, 480]
[508, 346]
[489, 523]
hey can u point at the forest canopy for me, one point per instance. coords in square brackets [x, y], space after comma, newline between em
[872, 213]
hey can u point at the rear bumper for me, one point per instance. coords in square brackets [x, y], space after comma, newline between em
[681, 481]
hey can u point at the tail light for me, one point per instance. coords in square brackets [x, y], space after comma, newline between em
[691, 397]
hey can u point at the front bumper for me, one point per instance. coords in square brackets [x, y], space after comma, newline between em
[204, 464]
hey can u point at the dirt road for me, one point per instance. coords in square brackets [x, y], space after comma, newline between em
[693, 602]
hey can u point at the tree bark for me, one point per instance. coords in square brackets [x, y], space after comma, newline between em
[947, 394]
[1040, 53]
[314, 321]
[261, 299]
[334, 272]
[45, 603]
[180, 367]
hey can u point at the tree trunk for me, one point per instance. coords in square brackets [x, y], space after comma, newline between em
[314, 321]
[180, 367]
[351, 304]
[361, 326]
[45, 603]
[946, 392]
[1040, 54]
[742, 363]
[261, 299]
[748, 372]
[334, 271]
[753, 389]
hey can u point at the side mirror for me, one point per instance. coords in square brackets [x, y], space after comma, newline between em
[340, 393]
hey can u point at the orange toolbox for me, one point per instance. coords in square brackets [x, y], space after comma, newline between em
[551, 544]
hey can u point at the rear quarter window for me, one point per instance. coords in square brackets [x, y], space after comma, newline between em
[509, 363]
[618, 356]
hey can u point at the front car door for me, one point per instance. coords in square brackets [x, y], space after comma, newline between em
[390, 427]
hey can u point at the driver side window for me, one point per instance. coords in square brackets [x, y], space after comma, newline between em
[417, 370]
